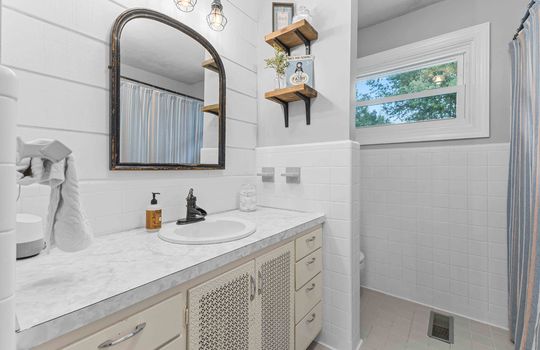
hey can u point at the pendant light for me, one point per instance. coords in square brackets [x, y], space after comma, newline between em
[439, 78]
[185, 5]
[216, 20]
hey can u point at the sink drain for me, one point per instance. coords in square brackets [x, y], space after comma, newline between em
[441, 327]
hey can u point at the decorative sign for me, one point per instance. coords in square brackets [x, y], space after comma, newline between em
[300, 71]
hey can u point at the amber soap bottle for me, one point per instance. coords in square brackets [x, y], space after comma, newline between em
[153, 215]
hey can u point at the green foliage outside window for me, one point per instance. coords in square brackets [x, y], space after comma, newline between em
[413, 110]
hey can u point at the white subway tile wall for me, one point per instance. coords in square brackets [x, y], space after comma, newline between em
[433, 227]
[64, 82]
[330, 184]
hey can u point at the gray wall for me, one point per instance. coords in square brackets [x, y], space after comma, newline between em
[448, 16]
[335, 53]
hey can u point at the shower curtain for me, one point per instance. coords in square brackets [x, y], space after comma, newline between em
[167, 127]
[524, 189]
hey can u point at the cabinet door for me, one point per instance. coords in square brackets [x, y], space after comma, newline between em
[275, 289]
[222, 312]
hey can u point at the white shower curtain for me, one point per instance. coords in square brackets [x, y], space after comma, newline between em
[524, 189]
[159, 127]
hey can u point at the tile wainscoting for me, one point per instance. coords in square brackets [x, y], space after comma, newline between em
[330, 184]
[433, 227]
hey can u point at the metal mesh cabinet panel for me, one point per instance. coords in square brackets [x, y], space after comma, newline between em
[275, 273]
[222, 312]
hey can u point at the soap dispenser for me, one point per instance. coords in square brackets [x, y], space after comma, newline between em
[153, 215]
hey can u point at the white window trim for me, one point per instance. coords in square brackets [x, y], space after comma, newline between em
[472, 46]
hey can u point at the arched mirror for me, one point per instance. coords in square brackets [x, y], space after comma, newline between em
[167, 96]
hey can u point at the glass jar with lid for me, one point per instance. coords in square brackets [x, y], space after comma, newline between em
[248, 198]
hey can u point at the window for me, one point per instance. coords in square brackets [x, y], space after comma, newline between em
[417, 95]
[437, 89]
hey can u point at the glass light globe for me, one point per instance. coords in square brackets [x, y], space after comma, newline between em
[216, 19]
[185, 5]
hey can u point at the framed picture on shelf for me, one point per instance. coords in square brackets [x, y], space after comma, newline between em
[282, 15]
[300, 71]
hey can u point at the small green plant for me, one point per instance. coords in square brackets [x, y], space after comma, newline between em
[279, 62]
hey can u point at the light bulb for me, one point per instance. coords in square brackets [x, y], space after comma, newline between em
[216, 20]
[185, 5]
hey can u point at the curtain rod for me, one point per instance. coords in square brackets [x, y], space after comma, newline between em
[527, 14]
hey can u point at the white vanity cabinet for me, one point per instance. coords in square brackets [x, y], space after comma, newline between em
[270, 300]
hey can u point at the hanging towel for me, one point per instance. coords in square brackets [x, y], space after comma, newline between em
[67, 226]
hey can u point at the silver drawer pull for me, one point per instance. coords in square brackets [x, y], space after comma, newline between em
[109, 343]
[309, 289]
[311, 240]
[311, 261]
[312, 318]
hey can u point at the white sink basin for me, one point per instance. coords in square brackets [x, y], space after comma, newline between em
[212, 230]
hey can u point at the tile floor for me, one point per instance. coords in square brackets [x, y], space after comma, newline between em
[390, 323]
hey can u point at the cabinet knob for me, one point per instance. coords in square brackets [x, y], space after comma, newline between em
[309, 289]
[311, 261]
[312, 318]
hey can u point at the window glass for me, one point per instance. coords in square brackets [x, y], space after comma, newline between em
[438, 107]
[430, 78]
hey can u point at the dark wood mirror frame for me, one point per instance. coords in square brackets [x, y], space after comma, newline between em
[114, 67]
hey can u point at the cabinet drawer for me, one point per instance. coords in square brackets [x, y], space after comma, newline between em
[308, 328]
[308, 243]
[307, 297]
[308, 267]
[161, 322]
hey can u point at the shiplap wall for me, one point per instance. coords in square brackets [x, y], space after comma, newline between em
[60, 52]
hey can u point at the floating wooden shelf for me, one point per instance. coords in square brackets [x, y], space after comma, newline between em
[213, 109]
[298, 33]
[284, 96]
[211, 65]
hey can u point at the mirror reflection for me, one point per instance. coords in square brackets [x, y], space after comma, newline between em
[168, 99]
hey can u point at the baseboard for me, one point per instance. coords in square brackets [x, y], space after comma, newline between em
[332, 348]
[433, 307]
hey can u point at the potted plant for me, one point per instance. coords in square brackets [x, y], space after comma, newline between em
[279, 63]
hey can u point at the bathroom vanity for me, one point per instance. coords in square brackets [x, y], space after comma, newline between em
[132, 290]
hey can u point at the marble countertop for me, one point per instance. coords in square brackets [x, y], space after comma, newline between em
[60, 292]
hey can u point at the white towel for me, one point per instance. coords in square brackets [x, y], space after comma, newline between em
[67, 226]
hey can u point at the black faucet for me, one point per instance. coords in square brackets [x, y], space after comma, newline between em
[193, 213]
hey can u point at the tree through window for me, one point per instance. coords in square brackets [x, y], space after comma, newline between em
[425, 94]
